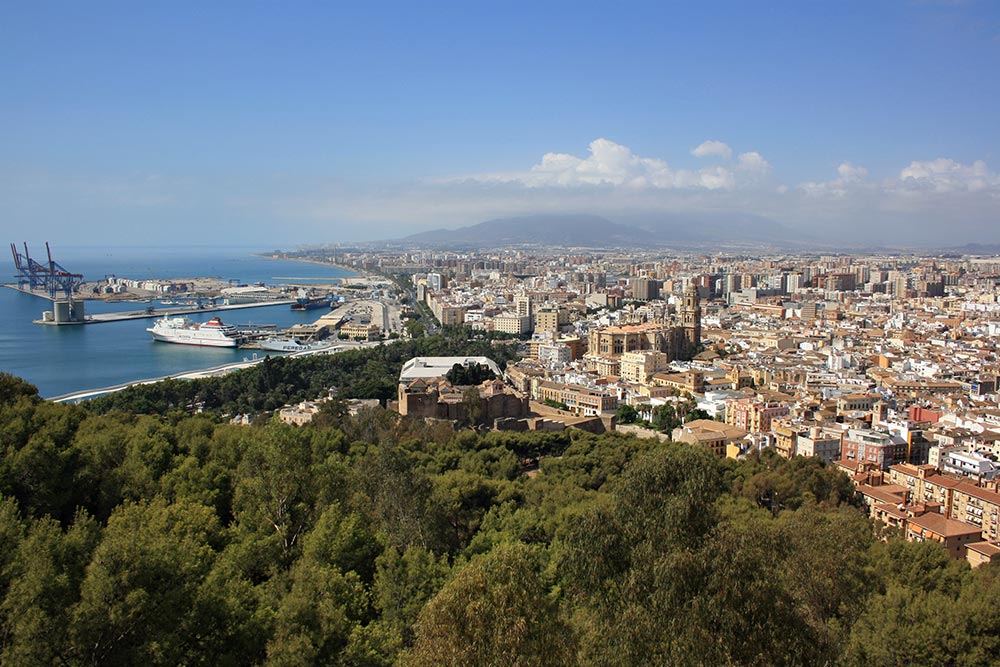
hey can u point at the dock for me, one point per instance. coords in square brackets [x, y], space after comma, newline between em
[148, 312]
[152, 313]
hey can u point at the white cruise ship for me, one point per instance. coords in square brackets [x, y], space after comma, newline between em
[182, 330]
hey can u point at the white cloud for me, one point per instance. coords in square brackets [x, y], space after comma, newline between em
[944, 175]
[916, 182]
[610, 164]
[713, 148]
[851, 174]
[753, 165]
[849, 177]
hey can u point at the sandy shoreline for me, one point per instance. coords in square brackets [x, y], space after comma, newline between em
[350, 269]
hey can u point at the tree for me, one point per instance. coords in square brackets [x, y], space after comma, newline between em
[473, 374]
[316, 618]
[37, 610]
[341, 539]
[496, 611]
[275, 487]
[404, 582]
[627, 414]
[401, 500]
[777, 483]
[141, 586]
[414, 328]
[13, 388]
[11, 535]
[473, 404]
[631, 562]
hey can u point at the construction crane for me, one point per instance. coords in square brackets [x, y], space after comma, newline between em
[51, 278]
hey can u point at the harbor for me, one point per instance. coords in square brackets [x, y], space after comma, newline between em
[69, 292]
[325, 310]
[63, 359]
[319, 330]
[153, 312]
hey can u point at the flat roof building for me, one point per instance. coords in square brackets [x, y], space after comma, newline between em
[435, 367]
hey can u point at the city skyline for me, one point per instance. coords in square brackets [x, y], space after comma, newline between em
[355, 124]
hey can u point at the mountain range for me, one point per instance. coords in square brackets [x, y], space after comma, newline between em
[594, 231]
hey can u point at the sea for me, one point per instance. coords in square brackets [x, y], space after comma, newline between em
[64, 359]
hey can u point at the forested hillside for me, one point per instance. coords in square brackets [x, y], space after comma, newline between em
[370, 372]
[130, 539]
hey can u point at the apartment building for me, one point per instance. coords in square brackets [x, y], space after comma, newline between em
[512, 323]
[645, 289]
[581, 400]
[692, 382]
[555, 353]
[819, 442]
[856, 403]
[979, 507]
[721, 438]
[753, 415]
[367, 331]
[876, 447]
[924, 484]
[639, 366]
[551, 319]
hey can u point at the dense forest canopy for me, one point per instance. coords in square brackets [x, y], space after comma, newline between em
[376, 540]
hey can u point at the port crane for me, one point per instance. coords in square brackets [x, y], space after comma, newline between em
[51, 278]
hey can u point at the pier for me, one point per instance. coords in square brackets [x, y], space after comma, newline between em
[152, 313]
[149, 312]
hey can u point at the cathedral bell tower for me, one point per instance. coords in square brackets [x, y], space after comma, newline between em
[691, 317]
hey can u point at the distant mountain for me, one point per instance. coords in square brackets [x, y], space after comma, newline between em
[715, 228]
[559, 230]
[593, 231]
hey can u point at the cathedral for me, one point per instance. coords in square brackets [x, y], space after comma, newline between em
[679, 340]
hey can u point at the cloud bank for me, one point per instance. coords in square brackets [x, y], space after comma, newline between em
[925, 201]
[612, 164]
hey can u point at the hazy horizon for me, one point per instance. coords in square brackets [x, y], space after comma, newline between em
[256, 126]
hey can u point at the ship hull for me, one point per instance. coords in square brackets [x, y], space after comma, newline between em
[200, 342]
[285, 346]
[312, 305]
[182, 331]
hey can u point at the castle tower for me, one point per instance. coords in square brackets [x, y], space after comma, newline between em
[691, 317]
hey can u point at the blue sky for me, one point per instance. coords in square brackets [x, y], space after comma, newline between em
[324, 122]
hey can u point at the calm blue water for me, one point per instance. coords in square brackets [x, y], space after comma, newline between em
[60, 360]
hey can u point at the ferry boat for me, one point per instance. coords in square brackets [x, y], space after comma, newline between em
[185, 332]
[275, 344]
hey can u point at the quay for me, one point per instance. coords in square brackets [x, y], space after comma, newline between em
[145, 313]
[150, 313]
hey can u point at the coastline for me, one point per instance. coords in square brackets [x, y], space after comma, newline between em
[65, 359]
[350, 269]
